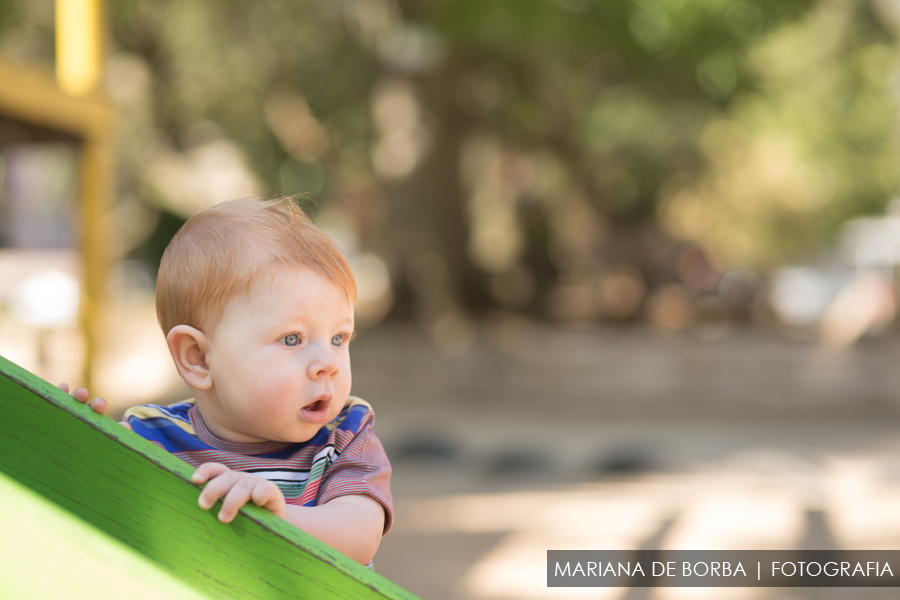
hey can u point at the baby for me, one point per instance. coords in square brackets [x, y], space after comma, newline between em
[258, 310]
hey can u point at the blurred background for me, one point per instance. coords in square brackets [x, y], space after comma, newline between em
[627, 268]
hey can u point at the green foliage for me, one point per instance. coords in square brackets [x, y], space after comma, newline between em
[753, 127]
[819, 130]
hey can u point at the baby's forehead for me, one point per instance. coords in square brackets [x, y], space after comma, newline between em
[284, 278]
[278, 303]
[292, 289]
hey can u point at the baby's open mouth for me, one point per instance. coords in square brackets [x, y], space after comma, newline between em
[316, 412]
[315, 406]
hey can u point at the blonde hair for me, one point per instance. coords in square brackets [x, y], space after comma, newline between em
[222, 250]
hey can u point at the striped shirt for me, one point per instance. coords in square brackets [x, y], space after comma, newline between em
[343, 458]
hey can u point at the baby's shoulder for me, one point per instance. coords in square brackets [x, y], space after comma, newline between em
[144, 412]
[356, 414]
[357, 403]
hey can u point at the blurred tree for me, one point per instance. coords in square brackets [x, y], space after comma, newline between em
[537, 155]
[812, 145]
[617, 94]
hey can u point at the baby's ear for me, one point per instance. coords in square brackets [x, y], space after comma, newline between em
[188, 346]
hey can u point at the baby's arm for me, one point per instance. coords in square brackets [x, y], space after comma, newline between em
[351, 524]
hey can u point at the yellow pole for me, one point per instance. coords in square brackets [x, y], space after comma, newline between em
[80, 36]
[79, 45]
[96, 183]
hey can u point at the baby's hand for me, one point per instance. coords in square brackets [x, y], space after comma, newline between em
[82, 395]
[237, 488]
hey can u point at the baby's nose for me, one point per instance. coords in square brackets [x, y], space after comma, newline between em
[324, 364]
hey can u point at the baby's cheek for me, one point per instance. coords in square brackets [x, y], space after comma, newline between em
[280, 381]
[345, 374]
[342, 389]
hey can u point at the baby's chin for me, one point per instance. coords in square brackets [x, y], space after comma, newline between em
[306, 434]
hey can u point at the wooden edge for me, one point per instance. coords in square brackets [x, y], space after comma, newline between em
[132, 442]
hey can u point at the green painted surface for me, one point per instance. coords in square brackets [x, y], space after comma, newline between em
[141, 495]
[46, 553]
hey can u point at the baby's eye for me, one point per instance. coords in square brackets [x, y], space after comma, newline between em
[338, 339]
[291, 340]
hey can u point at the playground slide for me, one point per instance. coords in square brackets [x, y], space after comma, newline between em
[124, 513]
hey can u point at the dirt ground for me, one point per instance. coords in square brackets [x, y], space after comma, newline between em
[624, 439]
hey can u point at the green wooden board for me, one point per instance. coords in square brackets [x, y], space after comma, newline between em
[47, 553]
[141, 495]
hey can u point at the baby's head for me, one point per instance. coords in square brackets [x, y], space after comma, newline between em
[223, 251]
[257, 307]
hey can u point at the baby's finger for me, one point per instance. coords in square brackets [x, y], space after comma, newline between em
[98, 405]
[268, 495]
[217, 486]
[80, 394]
[264, 492]
[239, 494]
[207, 471]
